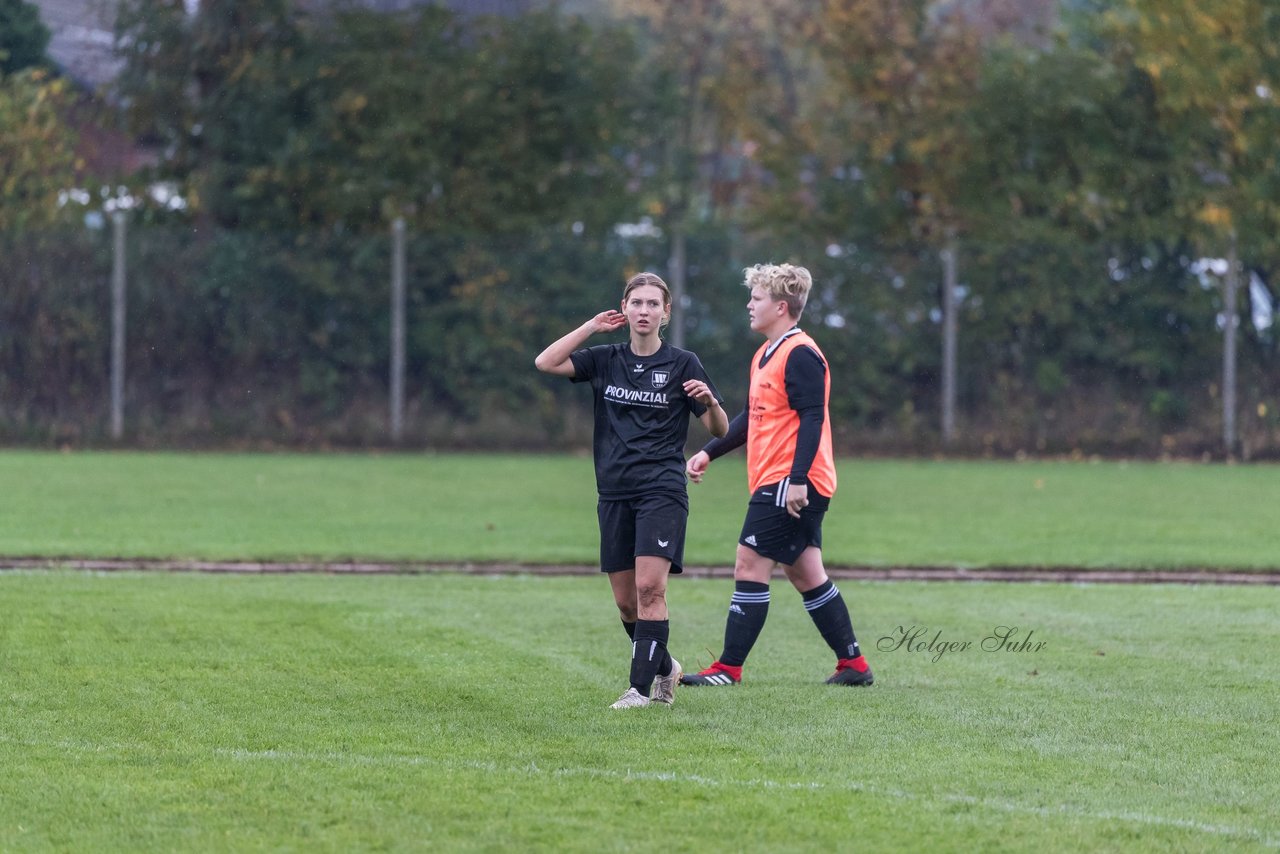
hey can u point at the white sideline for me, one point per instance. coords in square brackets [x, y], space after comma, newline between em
[534, 769]
[758, 783]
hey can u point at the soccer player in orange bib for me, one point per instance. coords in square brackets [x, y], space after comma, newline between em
[786, 427]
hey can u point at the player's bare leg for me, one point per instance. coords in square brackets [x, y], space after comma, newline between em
[652, 573]
[641, 597]
[650, 582]
[623, 584]
[808, 571]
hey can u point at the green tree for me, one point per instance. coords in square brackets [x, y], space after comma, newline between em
[1216, 70]
[208, 89]
[23, 36]
[358, 117]
[890, 158]
[489, 124]
[723, 86]
[37, 149]
[1075, 243]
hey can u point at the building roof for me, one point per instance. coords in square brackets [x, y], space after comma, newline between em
[83, 30]
[82, 42]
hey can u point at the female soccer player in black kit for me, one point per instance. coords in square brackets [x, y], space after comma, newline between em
[644, 390]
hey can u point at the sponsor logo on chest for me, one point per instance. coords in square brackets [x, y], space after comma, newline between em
[634, 396]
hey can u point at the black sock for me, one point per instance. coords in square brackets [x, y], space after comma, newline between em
[829, 613]
[647, 651]
[664, 666]
[747, 612]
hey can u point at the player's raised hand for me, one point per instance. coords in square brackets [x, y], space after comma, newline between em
[608, 321]
[558, 357]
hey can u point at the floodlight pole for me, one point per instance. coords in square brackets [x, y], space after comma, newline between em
[118, 227]
[397, 329]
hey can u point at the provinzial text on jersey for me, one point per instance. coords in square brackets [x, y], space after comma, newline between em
[631, 395]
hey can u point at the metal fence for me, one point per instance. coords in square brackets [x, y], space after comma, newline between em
[158, 334]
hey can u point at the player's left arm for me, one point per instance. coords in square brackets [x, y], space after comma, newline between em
[699, 388]
[715, 419]
[806, 384]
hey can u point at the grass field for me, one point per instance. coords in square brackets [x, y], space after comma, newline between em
[199, 712]
[206, 712]
[541, 509]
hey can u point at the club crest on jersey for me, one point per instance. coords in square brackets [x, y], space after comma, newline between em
[659, 378]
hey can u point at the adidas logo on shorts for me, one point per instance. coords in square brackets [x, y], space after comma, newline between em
[750, 540]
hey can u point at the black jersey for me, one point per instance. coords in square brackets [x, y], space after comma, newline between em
[641, 416]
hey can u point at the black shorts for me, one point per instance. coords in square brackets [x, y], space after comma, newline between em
[652, 525]
[771, 531]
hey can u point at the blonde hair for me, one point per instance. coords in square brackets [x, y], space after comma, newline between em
[782, 282]
[639, 280]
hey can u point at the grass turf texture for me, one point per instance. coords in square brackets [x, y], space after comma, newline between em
[541, 509]
[469, 713]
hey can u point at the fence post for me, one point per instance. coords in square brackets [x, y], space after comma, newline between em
[118, 228]
[677, 265]
[949, 285]
[1229, 309]
[397, 329]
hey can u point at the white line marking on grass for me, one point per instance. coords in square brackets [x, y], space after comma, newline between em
[533, 769]
[761, 783]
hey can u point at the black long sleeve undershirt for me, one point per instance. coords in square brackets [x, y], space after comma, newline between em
[806, 379]
[807, 439]
[736, 437]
